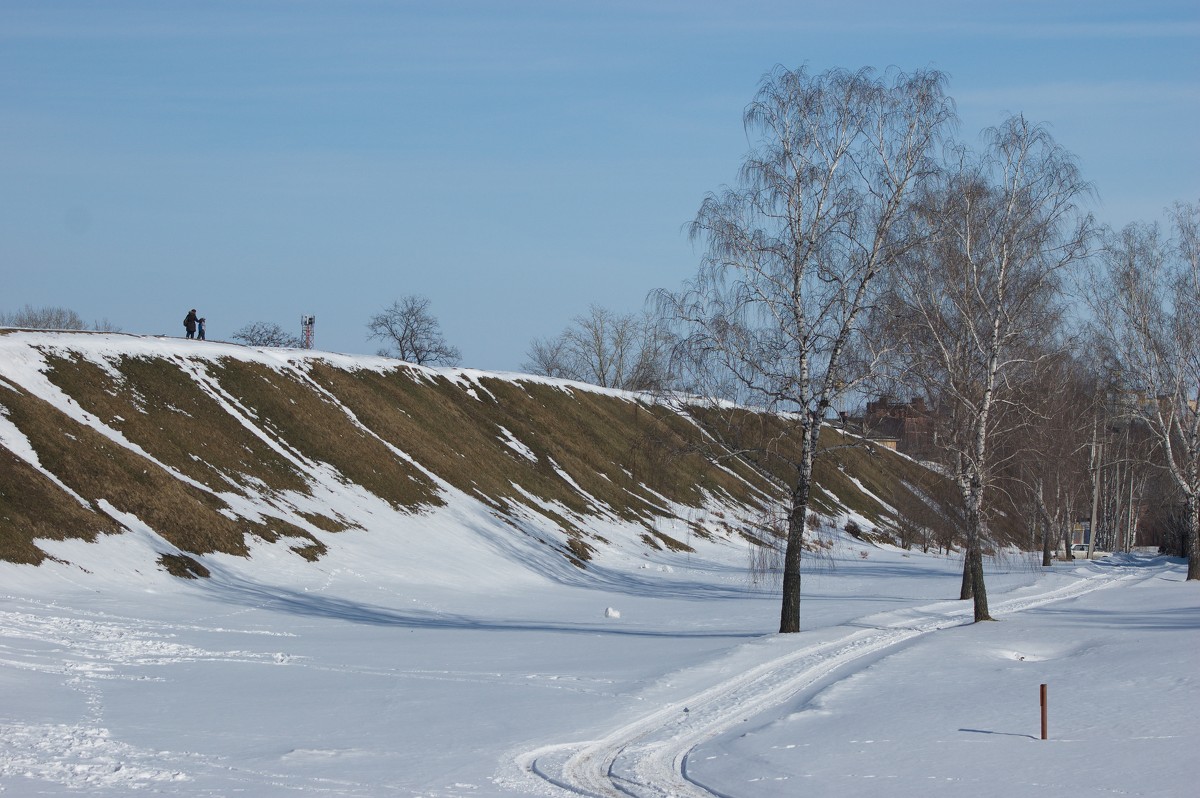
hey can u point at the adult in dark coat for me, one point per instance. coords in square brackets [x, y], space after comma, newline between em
[189, 323]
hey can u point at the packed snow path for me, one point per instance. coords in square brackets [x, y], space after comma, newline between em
[648, 757]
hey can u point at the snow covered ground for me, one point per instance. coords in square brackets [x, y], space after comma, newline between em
[378, 671]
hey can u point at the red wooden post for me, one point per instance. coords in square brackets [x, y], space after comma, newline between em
[1044, 726]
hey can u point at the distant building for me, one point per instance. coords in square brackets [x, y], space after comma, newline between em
[905, 426]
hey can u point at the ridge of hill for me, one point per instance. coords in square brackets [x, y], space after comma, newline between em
[206, 447]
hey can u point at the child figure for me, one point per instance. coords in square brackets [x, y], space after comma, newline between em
[200, 329]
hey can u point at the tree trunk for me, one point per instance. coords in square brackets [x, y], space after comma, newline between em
[789, 613]
[966, 591]
[1043, 520]
[975, 564]
[1047, 549]
[1192, 508]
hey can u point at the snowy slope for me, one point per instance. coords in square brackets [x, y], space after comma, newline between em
[212, 446]
[209, 445]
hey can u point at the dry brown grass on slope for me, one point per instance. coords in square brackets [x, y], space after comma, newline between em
[579, 450]
[644, 450]
[445, 430]
[319, 430]
[159, 407]
[915, 493]
[615, 448]
[625, 452]
[98, 469]
[611, 447]
[33, 507]
[183, 566]
[457, 436]
[873, 466]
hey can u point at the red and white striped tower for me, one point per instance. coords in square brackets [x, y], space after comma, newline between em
[306, 331]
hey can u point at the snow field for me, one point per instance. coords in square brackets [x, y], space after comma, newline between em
[276, 679]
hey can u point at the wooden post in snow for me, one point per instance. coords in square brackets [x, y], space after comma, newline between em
[1044, 725]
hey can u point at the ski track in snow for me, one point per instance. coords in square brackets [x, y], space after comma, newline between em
[648, 757]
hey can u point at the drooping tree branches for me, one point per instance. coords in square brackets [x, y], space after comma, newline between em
[976, 308]
[793, 250]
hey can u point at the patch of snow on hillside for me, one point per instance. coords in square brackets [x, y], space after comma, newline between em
[866, 492]
[511, 442]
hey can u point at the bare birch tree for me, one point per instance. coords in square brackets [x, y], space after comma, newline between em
[793, 251]
[1148, 311]
[971, 311]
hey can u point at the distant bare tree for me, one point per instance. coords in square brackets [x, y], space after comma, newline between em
[612, 350]
[266, 333]
[1148, 311]
[411, 332]
[52, 318]
[1056, 448]
[549, 358]
[794, 250]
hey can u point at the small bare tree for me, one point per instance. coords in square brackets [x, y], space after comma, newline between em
[266, 333]
[612, 350]
[411, 332]
[793, 252]
[1148, 311]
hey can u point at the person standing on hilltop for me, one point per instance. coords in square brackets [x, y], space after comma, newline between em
[189, 323]
[200, 328]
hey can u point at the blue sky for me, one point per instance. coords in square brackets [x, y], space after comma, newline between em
[512, 161]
